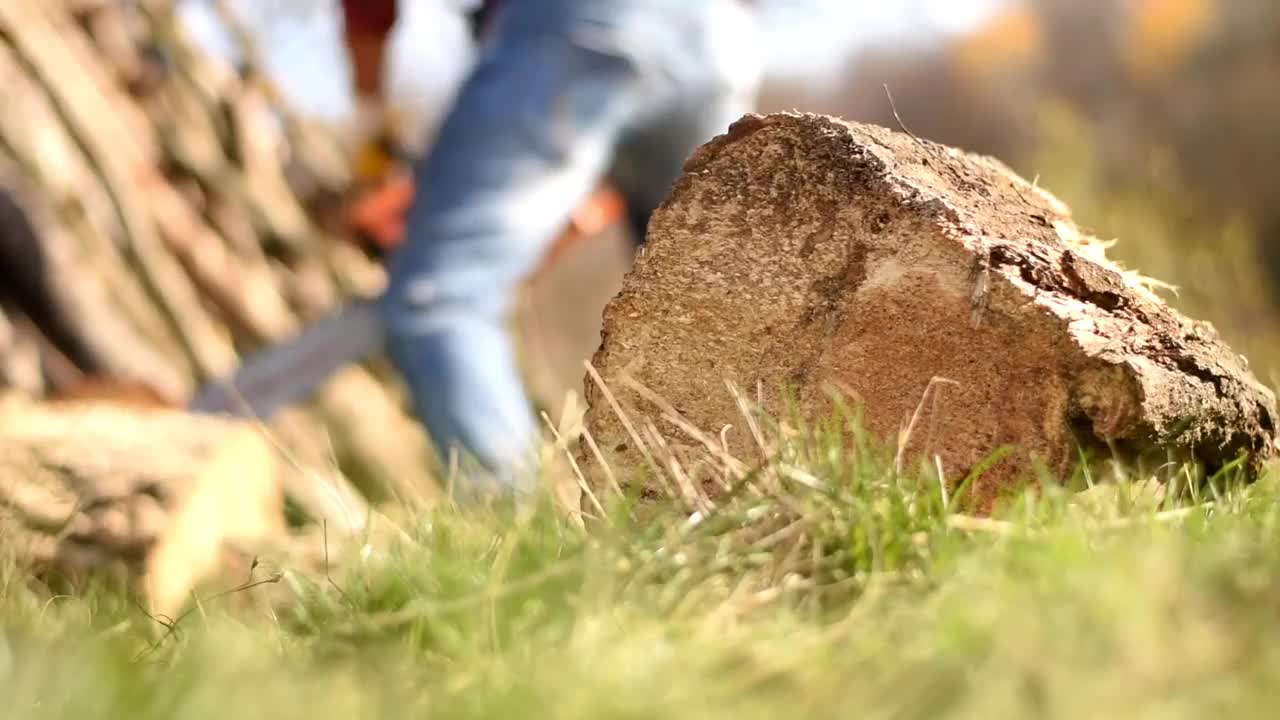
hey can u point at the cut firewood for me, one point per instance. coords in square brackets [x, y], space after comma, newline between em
[150, 496]
[64, 299]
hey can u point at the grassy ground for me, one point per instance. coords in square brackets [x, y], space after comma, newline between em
[871, 595]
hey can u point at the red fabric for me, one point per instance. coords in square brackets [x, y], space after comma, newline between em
[369, 16]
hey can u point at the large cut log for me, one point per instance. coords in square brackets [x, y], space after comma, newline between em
[958, 303]
[156, 497]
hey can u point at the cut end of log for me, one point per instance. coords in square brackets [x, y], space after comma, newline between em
[956, 301]
[154, 495]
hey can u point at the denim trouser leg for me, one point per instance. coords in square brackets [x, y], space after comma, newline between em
[531, 132]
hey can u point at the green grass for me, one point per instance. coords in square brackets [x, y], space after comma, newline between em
[871, 595]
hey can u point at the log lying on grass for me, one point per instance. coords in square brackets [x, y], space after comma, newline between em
[958, 302]
[154, 496]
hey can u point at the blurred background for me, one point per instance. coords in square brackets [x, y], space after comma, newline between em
[1158, 121]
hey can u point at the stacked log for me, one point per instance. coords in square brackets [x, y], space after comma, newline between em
[75, 502]
[163, 213]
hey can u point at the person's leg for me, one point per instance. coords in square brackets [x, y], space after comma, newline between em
[718, 61]
[531, 132]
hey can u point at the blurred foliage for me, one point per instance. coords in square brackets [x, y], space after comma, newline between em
[1166, 227]
[1154, 119]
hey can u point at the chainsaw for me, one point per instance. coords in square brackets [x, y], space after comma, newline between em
[288, 372]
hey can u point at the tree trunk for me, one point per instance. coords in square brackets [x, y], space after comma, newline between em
[152, 496]
[957, 303]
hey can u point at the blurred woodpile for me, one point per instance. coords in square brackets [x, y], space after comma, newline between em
[81, 505]
[161, 215]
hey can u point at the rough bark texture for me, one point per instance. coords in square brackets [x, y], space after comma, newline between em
[802, 250]
[153, 496]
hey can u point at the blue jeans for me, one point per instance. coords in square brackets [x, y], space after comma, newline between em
[565, 92]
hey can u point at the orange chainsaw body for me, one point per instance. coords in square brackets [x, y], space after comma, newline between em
[377, 216]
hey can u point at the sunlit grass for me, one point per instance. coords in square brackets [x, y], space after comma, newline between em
[826, 584]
